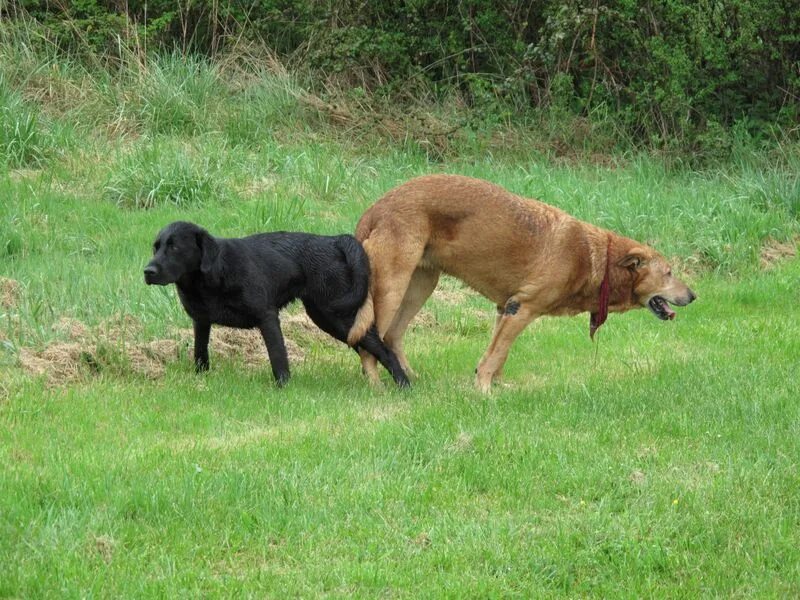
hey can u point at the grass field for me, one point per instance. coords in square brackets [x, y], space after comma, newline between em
[660, 461]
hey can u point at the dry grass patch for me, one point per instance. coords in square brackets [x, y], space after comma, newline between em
[59, 363]
[773, 251]
[10, 292]
[112, 346]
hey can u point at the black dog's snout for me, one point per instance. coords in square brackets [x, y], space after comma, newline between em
[150, 270]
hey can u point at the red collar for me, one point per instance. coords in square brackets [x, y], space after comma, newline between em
[598, 318]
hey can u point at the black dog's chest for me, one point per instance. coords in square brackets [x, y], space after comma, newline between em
[229, 309]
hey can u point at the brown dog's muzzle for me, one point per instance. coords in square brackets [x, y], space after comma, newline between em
[660, 305]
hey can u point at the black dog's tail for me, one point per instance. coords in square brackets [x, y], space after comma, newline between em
[358, 263]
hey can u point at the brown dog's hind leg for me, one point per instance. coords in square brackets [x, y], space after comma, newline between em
[423, 282]
[390, 280]
[510, 324]
[369, 366]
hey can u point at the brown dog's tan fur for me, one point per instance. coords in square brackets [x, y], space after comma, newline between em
[529, 258]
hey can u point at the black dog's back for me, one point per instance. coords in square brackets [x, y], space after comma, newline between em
[338, 272]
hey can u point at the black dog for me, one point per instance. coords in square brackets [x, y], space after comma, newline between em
[244, 282]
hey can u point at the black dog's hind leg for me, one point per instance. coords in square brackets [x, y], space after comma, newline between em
[373, 344]
[273, 338]
[338, 327]
[333, 326]
[202, 331]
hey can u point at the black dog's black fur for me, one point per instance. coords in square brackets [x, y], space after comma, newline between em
[245, 282]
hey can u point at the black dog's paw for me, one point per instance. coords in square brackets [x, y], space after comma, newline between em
[282, 379]
[200, 366]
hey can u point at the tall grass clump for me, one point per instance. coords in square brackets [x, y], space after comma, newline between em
[773, 190]
[159, 173]
[176, 94]
[268, 102]
[21, 140]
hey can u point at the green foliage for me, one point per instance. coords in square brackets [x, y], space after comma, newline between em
[674, 75]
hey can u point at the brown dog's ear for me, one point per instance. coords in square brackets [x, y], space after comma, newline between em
[210, 263]
[633, 259]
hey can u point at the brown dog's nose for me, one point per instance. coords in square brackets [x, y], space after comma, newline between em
[692, 297]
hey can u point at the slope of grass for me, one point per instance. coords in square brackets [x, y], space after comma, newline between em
[665, 464]
[659, 461]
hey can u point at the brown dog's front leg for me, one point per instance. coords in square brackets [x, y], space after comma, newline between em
[514, 319]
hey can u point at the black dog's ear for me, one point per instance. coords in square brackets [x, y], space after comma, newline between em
[210, 263]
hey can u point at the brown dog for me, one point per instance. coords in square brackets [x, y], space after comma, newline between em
[529, 258]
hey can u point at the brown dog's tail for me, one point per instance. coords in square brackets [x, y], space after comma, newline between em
[365, 317]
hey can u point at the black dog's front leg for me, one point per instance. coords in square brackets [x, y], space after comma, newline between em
[202, 330]
[273, 338]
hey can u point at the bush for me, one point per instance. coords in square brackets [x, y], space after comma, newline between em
[673, 74]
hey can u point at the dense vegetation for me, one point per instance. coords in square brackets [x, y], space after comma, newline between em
[679, 75]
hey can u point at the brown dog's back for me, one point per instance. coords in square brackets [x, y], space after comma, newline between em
[479, 232]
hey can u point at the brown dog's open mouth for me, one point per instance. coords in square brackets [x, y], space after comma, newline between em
[661, 309]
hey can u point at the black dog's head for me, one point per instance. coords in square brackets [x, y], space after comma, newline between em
[180, 249]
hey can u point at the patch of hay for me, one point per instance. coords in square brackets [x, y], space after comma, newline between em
[10, 292]
[259, 186]
[150, 359]
[104, 546]
[90, 351]
[59, 363]
[688, 268]
[451, 297]
[424, 318]
[302, 330]
[637, 478]
[386, 412]
[774, 251]
[72, 329]
[120, 327]
[248, 346]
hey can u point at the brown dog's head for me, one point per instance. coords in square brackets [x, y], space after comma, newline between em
[654, 285]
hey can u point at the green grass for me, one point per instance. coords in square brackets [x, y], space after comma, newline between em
[659, 461]
[159, 173]
[665, 464]
[21, 141]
